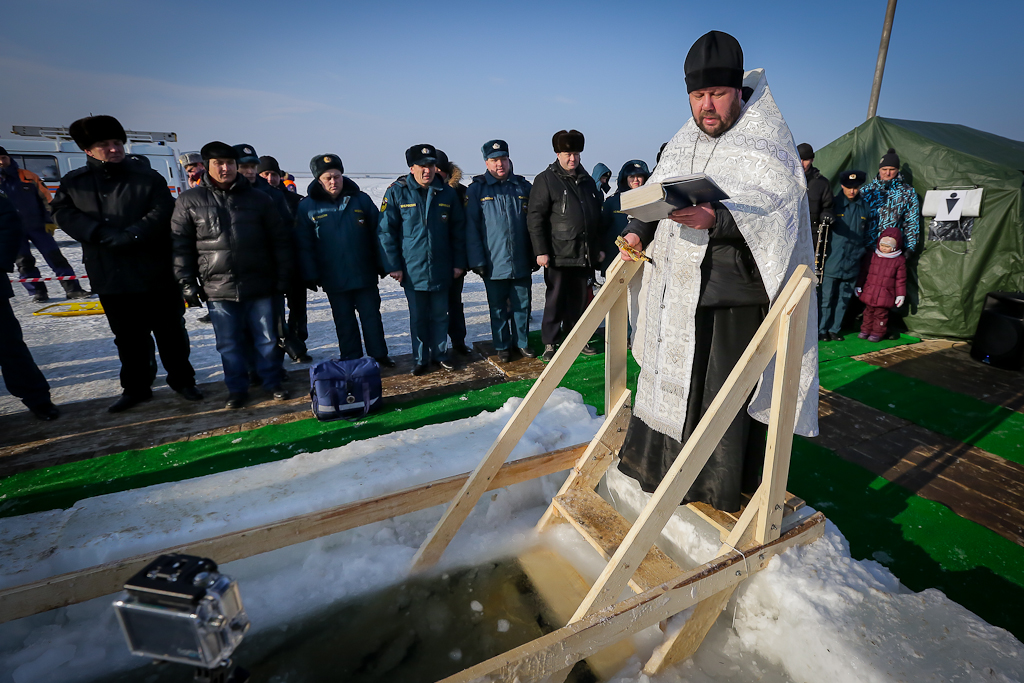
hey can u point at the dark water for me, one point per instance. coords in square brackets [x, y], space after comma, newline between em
[422, 630]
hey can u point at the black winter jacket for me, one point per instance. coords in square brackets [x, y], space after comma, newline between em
[100, 199]
[234, 241]
[564, 218]
[819, 195]
[10, 240]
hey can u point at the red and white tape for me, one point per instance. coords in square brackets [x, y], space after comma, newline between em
[47, 279]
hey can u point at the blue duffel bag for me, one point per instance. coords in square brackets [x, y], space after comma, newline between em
[344, 388]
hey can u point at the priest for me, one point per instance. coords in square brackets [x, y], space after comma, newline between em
[716, 268]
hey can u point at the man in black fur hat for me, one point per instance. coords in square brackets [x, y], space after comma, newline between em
[564, 220]
[121, 213]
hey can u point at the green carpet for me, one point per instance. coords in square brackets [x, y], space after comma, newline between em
[62, 486]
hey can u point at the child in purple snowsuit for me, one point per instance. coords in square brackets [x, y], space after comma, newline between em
[882, 283]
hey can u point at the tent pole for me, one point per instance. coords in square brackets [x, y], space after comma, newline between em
[883, 50]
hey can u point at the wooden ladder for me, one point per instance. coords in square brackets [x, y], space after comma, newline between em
[634, 560]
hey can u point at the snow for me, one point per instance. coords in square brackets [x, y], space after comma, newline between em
[813, 614]
[78, 358]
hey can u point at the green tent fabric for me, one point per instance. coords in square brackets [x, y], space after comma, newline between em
[949, 281]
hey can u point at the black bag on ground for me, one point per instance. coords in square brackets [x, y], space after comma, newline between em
[344, 388]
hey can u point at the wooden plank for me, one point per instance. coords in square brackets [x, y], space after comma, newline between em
[519, 367]
[785, 394]
[977, 485]
[615, 328]
[724, 521]
[566, 646]
[439, 538]
[85, 584]
[604, 529]
[561, 588]
[949, 365]
[691, 460]
[843, 421]
[682, 641]
[597, 458]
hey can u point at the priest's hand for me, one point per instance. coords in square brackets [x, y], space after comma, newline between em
[633, 240]
[700, 217]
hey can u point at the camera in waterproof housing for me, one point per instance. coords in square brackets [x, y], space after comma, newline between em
[179, 608]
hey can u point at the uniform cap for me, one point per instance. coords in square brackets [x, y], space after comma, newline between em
[420, 155]
[494, 148]
[247, 154]
[853, 178]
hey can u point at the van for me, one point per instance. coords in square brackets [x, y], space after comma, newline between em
[50, 153]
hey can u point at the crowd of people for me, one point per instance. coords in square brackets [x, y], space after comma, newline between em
[242, 242]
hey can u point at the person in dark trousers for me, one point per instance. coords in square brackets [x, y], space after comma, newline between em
[819, 189]
[847, 242]
[26, 191]
[499, 250]
[20, 372]
[231, 248]
[422, 235]
[338, 250]
[565, 229]
[452, 176]
[292, 340]
[298, 323]
[121, 212]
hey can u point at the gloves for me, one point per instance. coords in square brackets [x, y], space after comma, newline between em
[312, 285]
[900, 300]
[116, 239]
[193, 294]
[51, 228]
[858, 290]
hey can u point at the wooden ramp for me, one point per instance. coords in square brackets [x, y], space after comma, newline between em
[663, 587]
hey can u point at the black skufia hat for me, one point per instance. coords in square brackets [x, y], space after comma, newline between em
[269, 163]
[218, 150]
[805, 151]
[853, 179]
[322, 163]
[716, 59]
[568, 141]
[420, 155]
[92, 129]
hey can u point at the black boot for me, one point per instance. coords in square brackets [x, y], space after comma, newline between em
[128, 401]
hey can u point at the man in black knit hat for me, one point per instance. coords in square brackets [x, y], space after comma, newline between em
[819, 189]
[121, 212]
[564, 221]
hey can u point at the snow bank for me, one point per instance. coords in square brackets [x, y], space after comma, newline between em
[81, 642]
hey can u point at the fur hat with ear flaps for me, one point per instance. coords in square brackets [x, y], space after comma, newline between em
[92, 129]
[567, 141]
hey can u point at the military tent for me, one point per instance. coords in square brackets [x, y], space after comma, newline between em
[956, 268]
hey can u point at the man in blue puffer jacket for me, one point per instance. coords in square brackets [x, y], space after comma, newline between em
[336, 232]
[422, 236]
[498, 247]
[893, 203]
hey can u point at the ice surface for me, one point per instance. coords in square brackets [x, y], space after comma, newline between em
[78, 357]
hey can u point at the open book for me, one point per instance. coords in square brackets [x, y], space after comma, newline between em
[655, 201]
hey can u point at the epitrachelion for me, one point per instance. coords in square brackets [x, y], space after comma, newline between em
[756, 163]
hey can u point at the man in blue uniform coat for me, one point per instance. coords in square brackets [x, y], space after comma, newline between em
[847, 242]
[422, 235]
[499, 249]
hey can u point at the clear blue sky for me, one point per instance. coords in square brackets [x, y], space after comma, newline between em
[366, 81]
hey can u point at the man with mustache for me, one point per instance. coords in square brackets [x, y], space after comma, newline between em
[715, 270]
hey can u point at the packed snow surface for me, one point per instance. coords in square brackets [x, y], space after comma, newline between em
[815, 614]
[78, 357]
